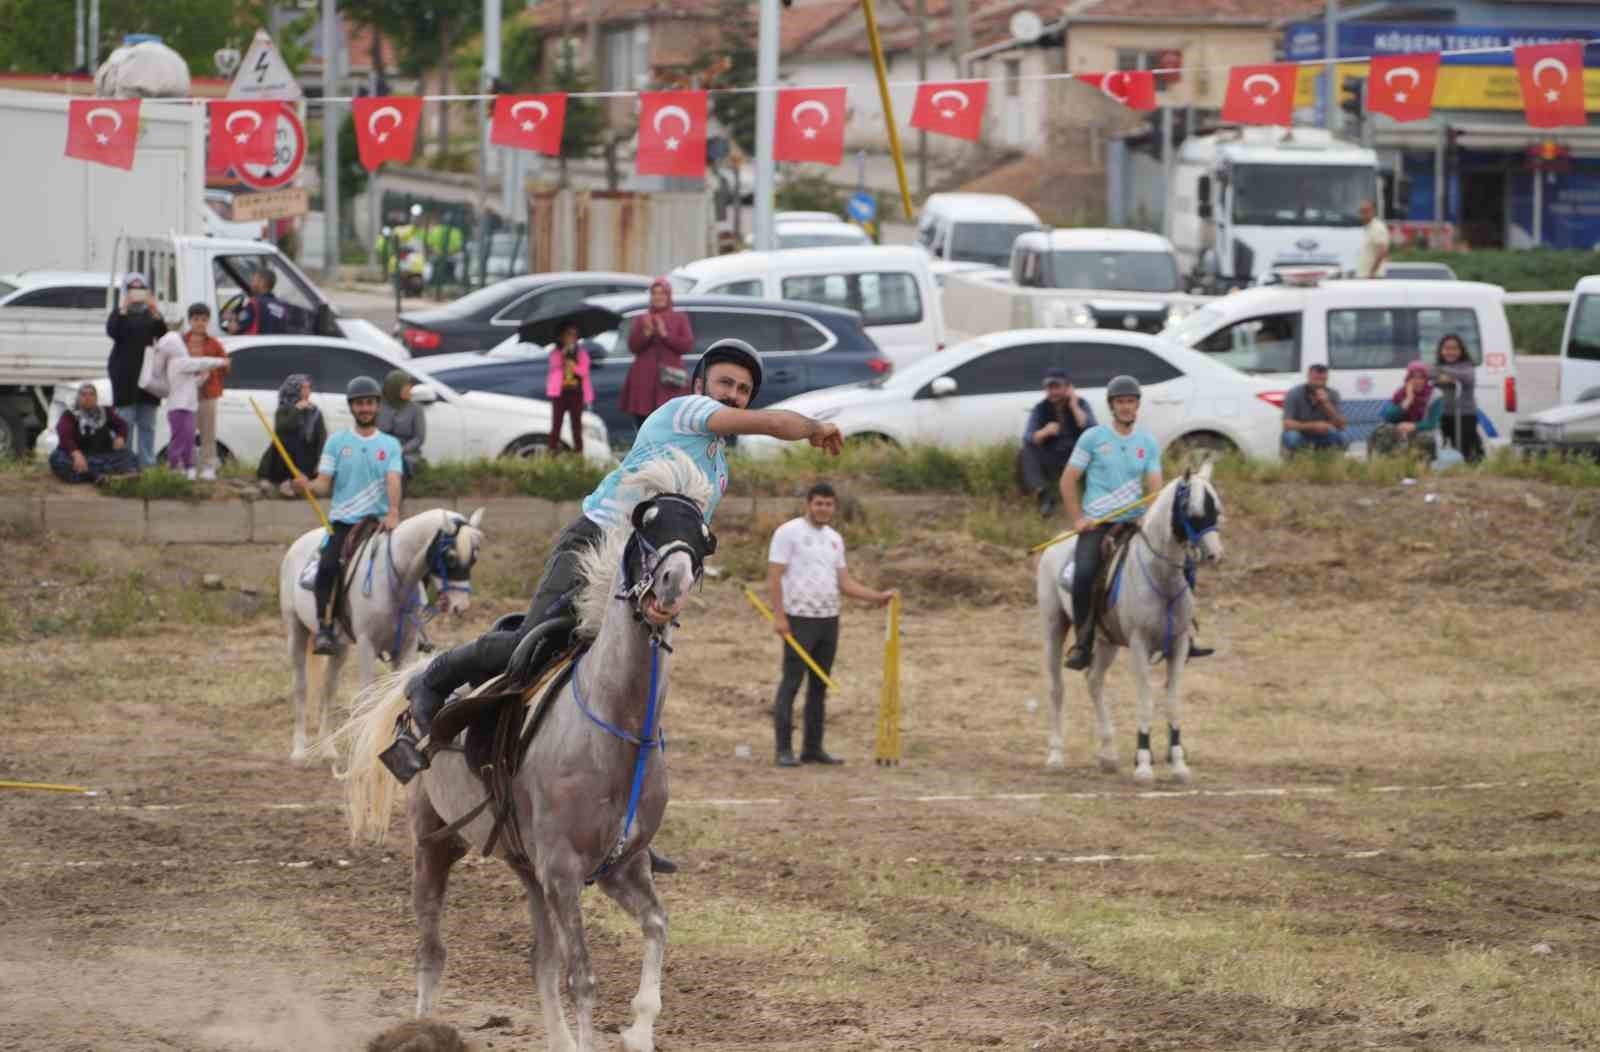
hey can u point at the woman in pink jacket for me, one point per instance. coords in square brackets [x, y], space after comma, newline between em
[659, 339]
[567, 385]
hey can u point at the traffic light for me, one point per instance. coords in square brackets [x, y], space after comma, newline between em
[1353, 99]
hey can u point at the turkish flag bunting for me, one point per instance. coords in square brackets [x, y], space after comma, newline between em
[954, 109]
[103, 130]
[1401, 86]
[1260, 94]
[530, 122]
[672, 133]
[1552, 83]
[810, 125]
[386, 128]
[1134, 88]
[241, 133]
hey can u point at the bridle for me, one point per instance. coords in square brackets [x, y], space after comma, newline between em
[444, 565]
[1188, 530]
[661, 528]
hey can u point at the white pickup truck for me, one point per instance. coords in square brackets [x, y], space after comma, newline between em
[43, 346]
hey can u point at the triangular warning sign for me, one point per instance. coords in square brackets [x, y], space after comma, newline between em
[263, 73]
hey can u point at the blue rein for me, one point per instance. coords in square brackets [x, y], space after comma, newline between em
[651, 739]
[413, 613]
[1191, 542]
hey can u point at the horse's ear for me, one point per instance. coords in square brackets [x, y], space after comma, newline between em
[641, 513]
[476, 522]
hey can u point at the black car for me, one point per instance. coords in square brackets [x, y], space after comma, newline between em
[804, 347]
[480, 320]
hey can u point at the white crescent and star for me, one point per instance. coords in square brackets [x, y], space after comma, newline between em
[1560, 67]
[950, 93]
[116, 122]
[530, 104]
[1261, 78]
[1115, 78]
[255, 123]
[672, 142]
[384, 111]
[810, 106]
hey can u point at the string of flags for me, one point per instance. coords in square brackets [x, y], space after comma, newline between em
[810, 122]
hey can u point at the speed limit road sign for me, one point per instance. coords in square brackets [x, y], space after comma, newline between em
[289, 151]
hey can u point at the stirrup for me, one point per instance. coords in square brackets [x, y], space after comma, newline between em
[404, 759]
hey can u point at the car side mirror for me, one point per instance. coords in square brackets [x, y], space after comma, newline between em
[943, 387]
[423, 394]
[1203, 195]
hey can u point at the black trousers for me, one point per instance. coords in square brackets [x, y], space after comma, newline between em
[820, 638]
[1085, 568]
[1042, 466]
[1462, 433]
[328, 570]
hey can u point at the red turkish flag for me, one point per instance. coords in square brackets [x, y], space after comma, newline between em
[1401, 86]
[1260, 94]
[530, 122]
[954, 109]
[1552, 83]
[241, 133]
[810, 125]
[103, 130]
[672, 133]
[1134, 88]
[386, 128]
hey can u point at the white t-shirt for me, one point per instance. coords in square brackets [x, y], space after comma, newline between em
[1374, 239]
[812, 557]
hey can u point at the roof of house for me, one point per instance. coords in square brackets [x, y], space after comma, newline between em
[1234, 12]
[548, 13]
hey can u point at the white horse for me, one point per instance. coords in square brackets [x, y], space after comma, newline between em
[1150, 612]
[387, 599]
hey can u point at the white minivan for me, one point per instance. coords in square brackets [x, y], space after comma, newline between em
[890, 286]
[1365, 332]
[1580, 347]
[972, 231]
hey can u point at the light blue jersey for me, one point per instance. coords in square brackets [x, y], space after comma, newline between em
[680, 423]
[1114, 468]
[360, 468]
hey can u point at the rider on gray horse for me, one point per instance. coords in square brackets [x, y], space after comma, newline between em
[726, 380]
[1118, 463]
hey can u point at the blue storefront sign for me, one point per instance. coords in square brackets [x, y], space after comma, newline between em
[1303, 40]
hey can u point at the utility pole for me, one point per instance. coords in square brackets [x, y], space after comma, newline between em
[1330, 50]
[330, 141]
[961, 32]
[766, 114]
[491, 73]
[94, 36]
[78, 54]
[922, 77]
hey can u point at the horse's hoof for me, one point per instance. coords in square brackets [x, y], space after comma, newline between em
[1144, 775]
[1180, 770]
[1181, 774]
[298, 754]
[1055, 759]
[1108, 764]
[637, 1042]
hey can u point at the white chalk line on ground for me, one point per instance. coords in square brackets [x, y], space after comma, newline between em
[935, 798]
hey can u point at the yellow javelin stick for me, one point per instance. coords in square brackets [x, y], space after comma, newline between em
[284, 453]
[45, 787]
[1058, 538]
[755, 601]
[871, 16]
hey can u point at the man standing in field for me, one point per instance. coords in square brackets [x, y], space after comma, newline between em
[806, 573]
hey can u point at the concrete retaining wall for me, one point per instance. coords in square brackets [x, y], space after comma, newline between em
[280, 522]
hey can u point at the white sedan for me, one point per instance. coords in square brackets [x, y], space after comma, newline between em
[980, 393]
[462, 425]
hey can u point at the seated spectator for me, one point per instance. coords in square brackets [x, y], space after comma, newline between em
[93, 441]
[1457, 378]
[303, 433]
[1311, 416]
[1052, 432]
[398, 416]
[1410, 419]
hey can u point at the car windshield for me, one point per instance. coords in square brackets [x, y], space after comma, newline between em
[1192, 329]
[986, 242]
[486, 298]
[1127, 271]
[682, 284]
[849, 236]
[6, 289]
[1300, 195]
[923, 369]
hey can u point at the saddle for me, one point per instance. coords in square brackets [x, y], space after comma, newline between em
[358, 536]
[1114, 549]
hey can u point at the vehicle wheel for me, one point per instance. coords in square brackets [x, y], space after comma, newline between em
[1203, 444]
[532, 446]
[13, 434]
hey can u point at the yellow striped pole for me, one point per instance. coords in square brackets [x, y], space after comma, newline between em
[888, 107]
[888, 750]
[755, 601]
[46, 787]
[284, 453]
[1058, 538]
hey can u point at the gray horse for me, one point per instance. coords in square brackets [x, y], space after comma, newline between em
[1150, 615]
[577, 785]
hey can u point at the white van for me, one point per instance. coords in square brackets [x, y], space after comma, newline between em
[890, 286]
[1580, 345]
[1365, 332]
[972, 231]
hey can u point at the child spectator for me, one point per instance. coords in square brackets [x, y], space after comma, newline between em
[183, 372]
[93, 441]
[1457, 379]
[303, 433]
[203, 345]
[567, 385]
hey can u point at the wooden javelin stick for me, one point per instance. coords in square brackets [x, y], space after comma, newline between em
[284, 453]
[1058, 538]
[46, 787]
[755, 601]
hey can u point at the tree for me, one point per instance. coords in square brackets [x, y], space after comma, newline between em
[730, 63]
[585, 128]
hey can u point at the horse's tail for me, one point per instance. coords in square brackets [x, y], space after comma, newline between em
[369, 789]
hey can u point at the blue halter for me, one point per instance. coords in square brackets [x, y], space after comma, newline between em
[1191, 544]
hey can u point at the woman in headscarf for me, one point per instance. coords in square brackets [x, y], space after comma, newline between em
[134, 327]
[1412, 416]
[402, 418]
[659, 338]
[93, 441]
[303, 433]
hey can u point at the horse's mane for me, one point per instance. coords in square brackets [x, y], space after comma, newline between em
[673, 472]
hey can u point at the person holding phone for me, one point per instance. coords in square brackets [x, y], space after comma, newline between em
[134, 326]
[658, 338]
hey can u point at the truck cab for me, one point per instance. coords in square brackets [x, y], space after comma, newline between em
[1248, 204]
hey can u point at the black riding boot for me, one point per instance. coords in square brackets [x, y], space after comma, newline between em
[470, 663]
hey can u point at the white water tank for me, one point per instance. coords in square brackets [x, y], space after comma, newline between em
[143, 68]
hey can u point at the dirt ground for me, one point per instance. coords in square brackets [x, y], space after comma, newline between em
[1391, 841]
